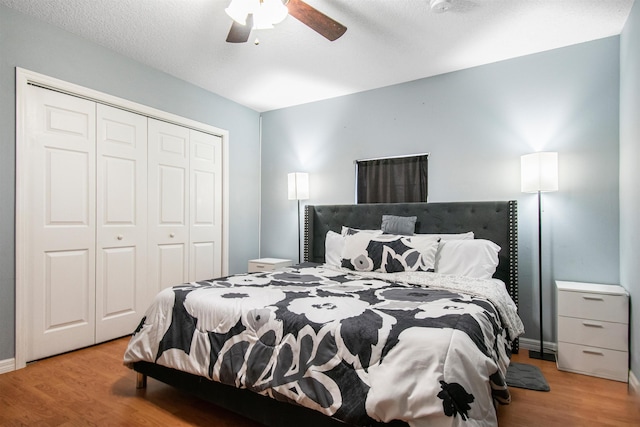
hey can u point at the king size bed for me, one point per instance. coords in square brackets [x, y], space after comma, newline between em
[401, 314]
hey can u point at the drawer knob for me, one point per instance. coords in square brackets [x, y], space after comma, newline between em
[172, 235]
[120, 237]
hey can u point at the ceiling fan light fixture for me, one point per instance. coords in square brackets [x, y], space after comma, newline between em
[259, 14]
[269, 13]
[266, 13]
[238, 10]
[261, 21]
[275, 9]
[440, 6]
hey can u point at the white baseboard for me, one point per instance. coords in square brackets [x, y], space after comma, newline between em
[8, 365]
[531, 344]
[634, 385]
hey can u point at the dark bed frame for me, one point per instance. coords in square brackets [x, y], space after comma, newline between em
[495, 221]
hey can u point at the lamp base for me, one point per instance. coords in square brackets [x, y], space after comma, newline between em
[544, 356]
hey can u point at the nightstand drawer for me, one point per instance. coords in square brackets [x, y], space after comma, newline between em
[585, 305]
[267, 264]
[595, 361]
[594, 333]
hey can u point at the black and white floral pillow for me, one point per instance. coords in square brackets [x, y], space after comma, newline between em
[389, 253]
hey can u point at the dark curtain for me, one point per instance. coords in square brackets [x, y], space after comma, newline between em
[392, 180]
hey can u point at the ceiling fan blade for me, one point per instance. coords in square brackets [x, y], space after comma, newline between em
[316, 20]
[240, 33]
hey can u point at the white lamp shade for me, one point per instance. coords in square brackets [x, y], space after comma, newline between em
[539, 172]
[298, 186]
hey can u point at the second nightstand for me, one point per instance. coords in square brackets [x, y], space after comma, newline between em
[267, 264]
[593, 329]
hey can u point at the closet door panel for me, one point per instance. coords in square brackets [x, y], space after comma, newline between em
[66, 283]
[119, 293]
[171, 265]
[202, 256]
[121, 280]
[172, 197]
[168, 215]
[61, 222]
[206, 207]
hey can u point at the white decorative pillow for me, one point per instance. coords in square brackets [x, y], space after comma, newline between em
[333, 245]
[476, 258]
[456, 236]
[388, 253]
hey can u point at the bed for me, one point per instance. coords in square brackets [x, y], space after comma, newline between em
[397, 336]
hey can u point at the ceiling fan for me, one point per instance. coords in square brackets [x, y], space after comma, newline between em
[250, 14]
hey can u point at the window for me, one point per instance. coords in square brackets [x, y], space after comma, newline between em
[401, 179]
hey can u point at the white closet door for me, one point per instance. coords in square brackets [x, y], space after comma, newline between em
[205, 235]
[61, 236]
[168, 217]
[121, 292]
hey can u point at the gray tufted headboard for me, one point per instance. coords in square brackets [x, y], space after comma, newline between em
[495, 221]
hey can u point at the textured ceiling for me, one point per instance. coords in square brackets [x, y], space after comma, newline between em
[387, 41]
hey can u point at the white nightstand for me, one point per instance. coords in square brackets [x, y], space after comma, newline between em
[267, 264]
[593, 329]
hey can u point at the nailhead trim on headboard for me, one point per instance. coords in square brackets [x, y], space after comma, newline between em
[307, 219]
[513, 260]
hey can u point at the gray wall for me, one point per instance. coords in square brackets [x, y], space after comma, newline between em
[630, 173]
[476, 124]
[31, 44]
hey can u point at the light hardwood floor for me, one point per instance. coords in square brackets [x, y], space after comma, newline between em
[92, 387]
[574, 400]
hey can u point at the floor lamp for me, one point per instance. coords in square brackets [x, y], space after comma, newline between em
[298, 190]
[539, 173]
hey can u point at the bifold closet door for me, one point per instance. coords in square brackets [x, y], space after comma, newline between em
[185, 205]
[119, 207]
[121, 280]
[168, 205]
[205, 231]
[61, 236]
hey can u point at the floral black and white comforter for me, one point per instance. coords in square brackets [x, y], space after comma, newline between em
[420, 347]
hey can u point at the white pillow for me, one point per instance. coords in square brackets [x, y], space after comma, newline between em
[457, 236]
[333, 245]
[388, 253]
[476, 258]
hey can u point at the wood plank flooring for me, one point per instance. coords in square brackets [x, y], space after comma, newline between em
[574, 400]
[92, 387]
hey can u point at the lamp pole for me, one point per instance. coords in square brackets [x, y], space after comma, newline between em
[299, 249]
[540, 173]
[298, 189]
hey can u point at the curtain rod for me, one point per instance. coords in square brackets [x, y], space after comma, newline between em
[392, 157]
